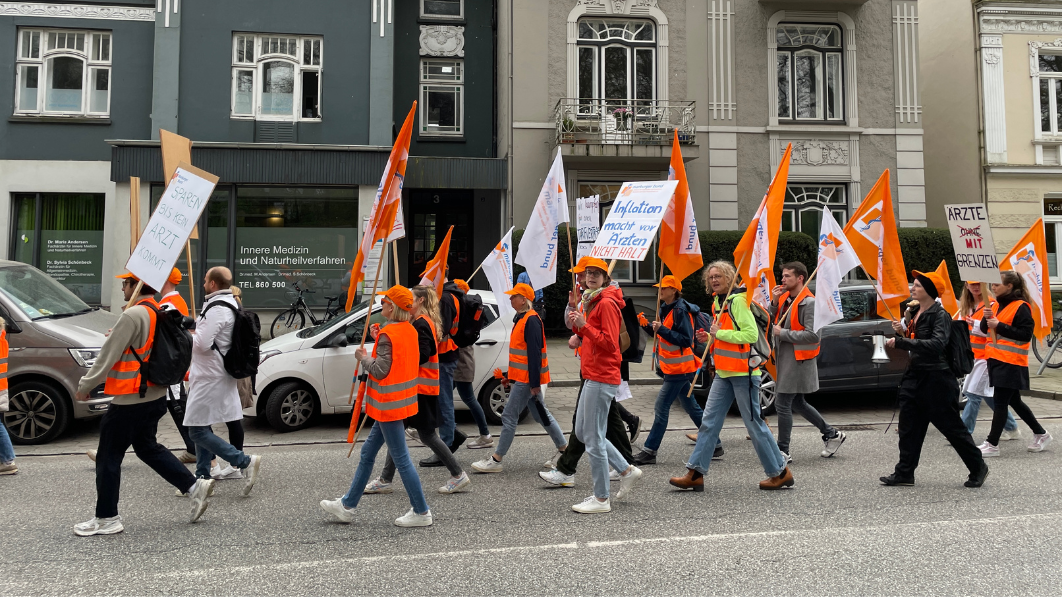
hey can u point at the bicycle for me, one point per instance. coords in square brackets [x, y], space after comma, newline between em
[294, 318]
[1042, 348]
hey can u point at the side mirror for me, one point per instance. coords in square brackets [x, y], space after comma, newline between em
[338, 341]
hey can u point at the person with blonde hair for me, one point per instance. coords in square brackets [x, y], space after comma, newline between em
[464, 376]
[976, 386]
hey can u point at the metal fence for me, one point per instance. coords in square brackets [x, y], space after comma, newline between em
[624, 121]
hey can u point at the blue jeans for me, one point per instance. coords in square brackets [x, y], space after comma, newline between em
[519, 398]
[973, 405]
[725, 391]
[7, 451]
[668, 392]
[446, 402]
[207, 445]
[468, 396]
[393, 434]
[591, 419]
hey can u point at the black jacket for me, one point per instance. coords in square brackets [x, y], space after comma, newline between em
[1005, 375]
[448, 313]
[931, 336]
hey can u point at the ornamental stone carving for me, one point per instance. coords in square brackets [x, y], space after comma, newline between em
[1034, 53]
[819, 153]
[77, 11]
[1021, 25]
[442, 40]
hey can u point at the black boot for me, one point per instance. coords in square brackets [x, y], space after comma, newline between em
[459, 438]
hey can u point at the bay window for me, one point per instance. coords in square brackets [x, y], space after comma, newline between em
[63, 73]
[276, 77]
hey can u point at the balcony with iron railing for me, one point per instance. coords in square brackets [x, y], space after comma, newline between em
[624, 122]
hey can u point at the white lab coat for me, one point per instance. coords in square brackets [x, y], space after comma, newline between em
[212, 393]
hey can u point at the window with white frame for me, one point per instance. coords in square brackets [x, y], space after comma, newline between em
[442, 91]
[442, 9]
[276, 77]
[1050, 97]
[802, 211]
[617, 61]
[1053, 234]
[62, 72]
[810, 73]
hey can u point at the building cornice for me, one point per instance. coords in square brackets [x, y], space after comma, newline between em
[1019, 18]
[78, 11]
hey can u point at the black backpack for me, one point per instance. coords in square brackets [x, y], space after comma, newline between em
[242, 358]
[636, 351]
[171, 351]
[701, 321]
[958, 352]
[470, 318]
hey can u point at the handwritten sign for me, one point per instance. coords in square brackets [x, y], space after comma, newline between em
[631, 225]
[971, 237]
[588, 223]
[178, 210]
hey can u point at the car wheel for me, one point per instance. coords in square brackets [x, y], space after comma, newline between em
[492, 398]
[767, 394]
[290, 407]
[38, 413]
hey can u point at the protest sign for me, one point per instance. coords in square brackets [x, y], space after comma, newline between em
[178, 210]
[588, 223]
[971, 237]
[631, 225]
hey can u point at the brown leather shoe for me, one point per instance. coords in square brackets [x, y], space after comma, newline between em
[692, 437]
[783, 480]
[691, 480]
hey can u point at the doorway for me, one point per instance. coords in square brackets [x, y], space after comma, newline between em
[432, 212]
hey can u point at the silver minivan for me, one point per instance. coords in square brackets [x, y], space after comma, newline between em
[54, 338]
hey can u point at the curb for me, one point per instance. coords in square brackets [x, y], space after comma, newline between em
[1042, 394]
[637, 381]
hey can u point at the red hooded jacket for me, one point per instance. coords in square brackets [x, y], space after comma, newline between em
[599, 355]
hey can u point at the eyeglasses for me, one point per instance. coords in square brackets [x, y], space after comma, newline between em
[595, 273]
[715, 277]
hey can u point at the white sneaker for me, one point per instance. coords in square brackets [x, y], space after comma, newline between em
[91, 456]
[336, 508]
[199, 494]
[378, 486]
[226, 473]
[483, 441]
[833, 444]
[413, 435]
[252, 474]
[628, 481]
[988, 450]
[552, 462]
[412, 519]
[1040, 441]
[591, 505]
[789, 459]
[487, 465]
[457, 485]
[179, 493]
[555, 477]
[99, 526]
[1010, 435]
[613, 474]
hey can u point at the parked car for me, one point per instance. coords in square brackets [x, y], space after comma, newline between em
[309, 372]
[54, 338]
[846, 347]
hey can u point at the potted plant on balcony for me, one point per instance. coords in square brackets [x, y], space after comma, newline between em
[623, 118]
[567, 130]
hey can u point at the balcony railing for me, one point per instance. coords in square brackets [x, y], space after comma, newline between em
[624, 121]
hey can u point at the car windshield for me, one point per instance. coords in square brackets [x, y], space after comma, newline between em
[38, 295]
[331, 323]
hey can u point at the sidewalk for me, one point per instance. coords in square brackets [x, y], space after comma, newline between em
[564, 366]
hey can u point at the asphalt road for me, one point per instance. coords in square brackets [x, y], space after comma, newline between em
[836, 532]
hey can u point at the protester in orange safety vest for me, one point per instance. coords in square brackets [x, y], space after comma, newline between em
[7, 451]
[450, 314]
[177, 397]
[796, 351]
[976, 386]
[464, 377]
[132, 418]
[393, 372]
[1008, 360]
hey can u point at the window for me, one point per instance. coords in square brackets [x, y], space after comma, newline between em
[804, 203]
[625, 271]
[442, 97]
[62, 235]
[617, 61]
[276, 77]
[442, 9]
[63, 73]
[809, 72]
[1050, 97]
[1053, 232]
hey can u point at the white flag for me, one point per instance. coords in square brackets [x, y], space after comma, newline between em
[836, 259]
[399, 229]
[498, 267]
[538, 247]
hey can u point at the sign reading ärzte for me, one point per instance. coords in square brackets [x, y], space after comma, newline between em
[632, 223]
[971, 237]
[163, 240]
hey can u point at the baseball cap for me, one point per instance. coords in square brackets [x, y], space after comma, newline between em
[596, 262]
[400, 296]
[669, 281]
[580, 266]
[523, 290]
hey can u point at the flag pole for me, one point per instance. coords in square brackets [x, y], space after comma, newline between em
[708, 346]
[365, 328]
[892, 316]
[571, 255]
[479, 267]
[659, 289]
[191, 278]
[136, 294]
[394, 254]
[611, 266]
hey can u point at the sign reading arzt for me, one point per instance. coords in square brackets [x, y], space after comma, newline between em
[971, 237]
[632, 223]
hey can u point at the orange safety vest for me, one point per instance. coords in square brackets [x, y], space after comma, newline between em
[3, 366]
[428, 375]
[394, 397]
[977, 341]
[448, 344]
[672, 359]
[1003, 349]
[803, 352]
[177, 301]
[518, 353]
[726, 356]
[124, 376]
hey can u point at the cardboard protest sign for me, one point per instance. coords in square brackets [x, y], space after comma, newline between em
[631, 225]
[971, 237]
[178, 210]
[588, 223]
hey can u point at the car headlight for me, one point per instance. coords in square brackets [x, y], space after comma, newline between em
[85, 357]
[267, 355]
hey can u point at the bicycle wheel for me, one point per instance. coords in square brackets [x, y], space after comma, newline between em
[1042, 347]
[288, 321]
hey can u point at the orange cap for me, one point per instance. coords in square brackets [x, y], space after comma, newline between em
[175, 276]
[128, 276]
[596, 262]
[669, 281]
[934, 278]
[400, 296]
[523, 290]
[462, 285]
[580, 266]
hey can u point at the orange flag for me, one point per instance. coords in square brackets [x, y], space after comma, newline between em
[435, 272]
[1028, 259]
[680, 246]
[872, 232]
[385, 206]
[947, 294]
[754, 255]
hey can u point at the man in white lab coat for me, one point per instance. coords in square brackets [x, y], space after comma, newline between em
[212, 394]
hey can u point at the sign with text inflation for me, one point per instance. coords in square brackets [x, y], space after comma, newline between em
[975, 253]
[170, 226]
[632, 223]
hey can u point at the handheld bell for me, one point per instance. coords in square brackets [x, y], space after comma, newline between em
[880, 357]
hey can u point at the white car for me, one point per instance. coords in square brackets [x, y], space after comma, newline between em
[309, 372]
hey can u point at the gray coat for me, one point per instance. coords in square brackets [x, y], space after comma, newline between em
[796, 377]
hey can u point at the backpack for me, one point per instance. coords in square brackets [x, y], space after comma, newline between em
[171, 351]
[958, 352]
[701, 321]
[242, 358]
[469, 320]
[636, 348]
[762, 348]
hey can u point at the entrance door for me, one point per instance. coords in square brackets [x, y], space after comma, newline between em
[431, 215]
